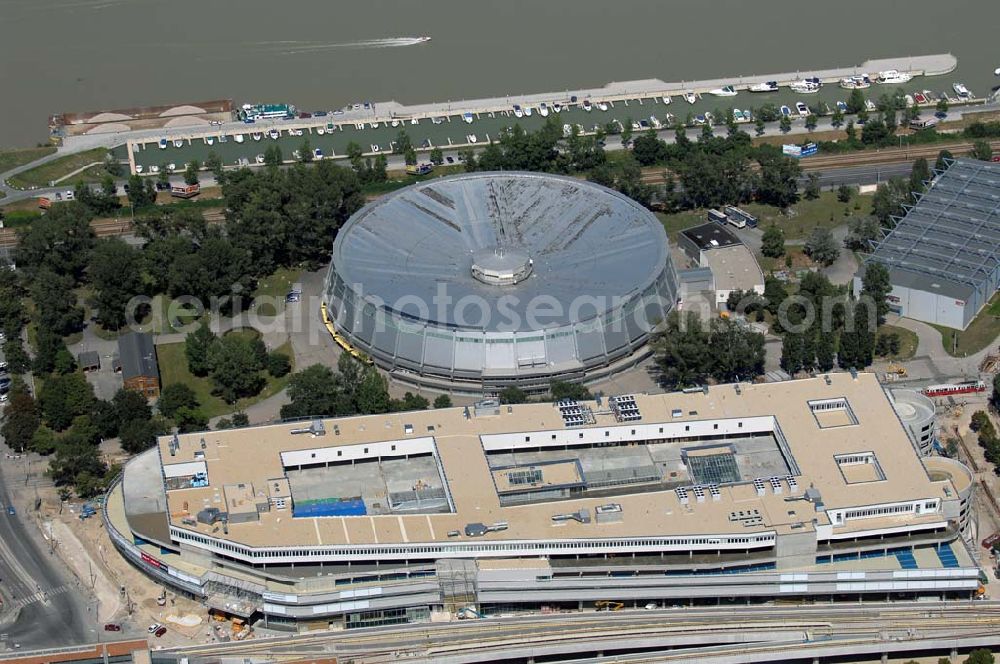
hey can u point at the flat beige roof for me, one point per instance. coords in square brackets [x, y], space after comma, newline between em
[734, 268]
[251, 456]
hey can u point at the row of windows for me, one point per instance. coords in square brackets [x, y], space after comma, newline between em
[442, 549]
[881, 511]
[607, 434]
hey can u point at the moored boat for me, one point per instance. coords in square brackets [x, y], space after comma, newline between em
[602, 106]
[557, 107]
[163, 144]
[806, 86]
[256, 136]
[690, 97]
[528, 111]
[855, 83]
[961, 90]
[468, 117]
[802, 108]
[724, 91]
[259, 159]
[587, 106]
[543, 110]
[665, 99]
[178, 143]
[893, 76]
[767, 86]
[870, 106]
[238, 138]
[518, 112]
[842, 106]
[785, 111]
[317, 153]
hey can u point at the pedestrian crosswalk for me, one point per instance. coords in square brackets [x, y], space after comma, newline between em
[40, 596]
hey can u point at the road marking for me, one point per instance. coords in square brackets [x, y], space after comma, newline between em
[42, 596]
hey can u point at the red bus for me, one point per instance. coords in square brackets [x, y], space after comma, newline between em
[957, 388]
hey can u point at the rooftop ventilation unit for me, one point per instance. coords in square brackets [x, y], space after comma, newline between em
[174, 445]
[793, 484]
[682, 495]
[625, 408]
[714, 490]
[610, 513]
[776, 485]
[315, 428]
[486, 407]
[573, 413]
[583, 516]
[758, 485]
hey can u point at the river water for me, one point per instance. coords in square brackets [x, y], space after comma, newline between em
[78, 55]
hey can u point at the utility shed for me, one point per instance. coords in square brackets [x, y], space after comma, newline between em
[944, 254]
[140, 371]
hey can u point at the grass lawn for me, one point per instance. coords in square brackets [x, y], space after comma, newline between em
[982, 331]
[272, 289]
[805, 215]
[797, 222]
[53, 170]
[13, 158]
[907, 340]
[174, 369]
[799, 261]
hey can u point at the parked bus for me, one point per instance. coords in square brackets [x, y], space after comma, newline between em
[969, 387]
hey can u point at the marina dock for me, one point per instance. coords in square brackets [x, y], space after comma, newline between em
[375, 126]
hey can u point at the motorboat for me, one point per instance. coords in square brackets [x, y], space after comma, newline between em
[317, 153]
[178, 143]
[709, 118]
[374, 125]
[855, 82]
[274, 134]
[870, 106]
[296, 155]
[737, 115]
[919, 98]
[636, 126]
[256, 136]
[238, 138]
[724, 91]
[138, 168]
[154, 169]
[785, 111]
[171, 167]
[802, 108]
[665, 99]
[472, 138]
[376, 148]
[643, 124]
[668, 119]
[518, 112]
[163, 144]
[602, 105]
[543, 110]
[587, 106]
[223, 138]
[842, 106]
[528, 111]
[557, 107]
[690, 97]
[321, 131]
[893, 76]
[209, 140]
[259, 159]
[567, 130]
[394, 123]
[767, 86]
[699, 119]
[909, 100]
[806, 86]
[468, 117]
[414, 121]
[655, 122]
[437, 120]
[961, 90]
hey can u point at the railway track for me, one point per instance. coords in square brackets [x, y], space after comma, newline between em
[657, 174]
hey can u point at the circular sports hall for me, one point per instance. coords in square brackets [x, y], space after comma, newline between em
[484, 280]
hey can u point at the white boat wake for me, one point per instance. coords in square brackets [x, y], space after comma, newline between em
[295, 48]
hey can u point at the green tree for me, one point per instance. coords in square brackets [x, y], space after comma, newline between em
[22, 418]
[314, 391]
[64, 397]
[62, 244]
[862, 232]
[236, 365]
[56, 306]
[116, 274]
[994, 397]
[844, 193]
[876, 285]
[982, 151]
[273, 157]
[373, 393]
[77, 463]
[811, 121]
[812, 190]
[737, 352]
[758, 125]
[627, 133]
[436, 156]
[278, 364]
[785, 124]
[941, 163]
[137, 435]
[942, 106]
[855, 102]
[889, 199]
[163, 177]
[779, 175]
[919, 174]
[305, 152]
[51, 354]
[198, 348]
[773, 242]
[825, 350]
[191, 172]
[682, 353]
[979, 656]
[564, 389]
[852, 133]
[410, 401]
[821, 247]
[837, 118]
[175, 396]
[442, 401]
[213, 163]
[513, 395]
[130, 405]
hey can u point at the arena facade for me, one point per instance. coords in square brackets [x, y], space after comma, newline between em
[485, 280]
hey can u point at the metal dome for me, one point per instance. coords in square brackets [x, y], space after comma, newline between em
[500, 278]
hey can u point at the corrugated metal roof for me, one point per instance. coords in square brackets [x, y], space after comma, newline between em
[949, 241]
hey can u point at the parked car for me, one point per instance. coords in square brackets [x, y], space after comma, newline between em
[112, 627]
[160, 632]
[293, 297]
[152, 628]
[992, 540]
[11, 511]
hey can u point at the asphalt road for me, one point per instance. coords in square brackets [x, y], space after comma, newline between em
[43, 605]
